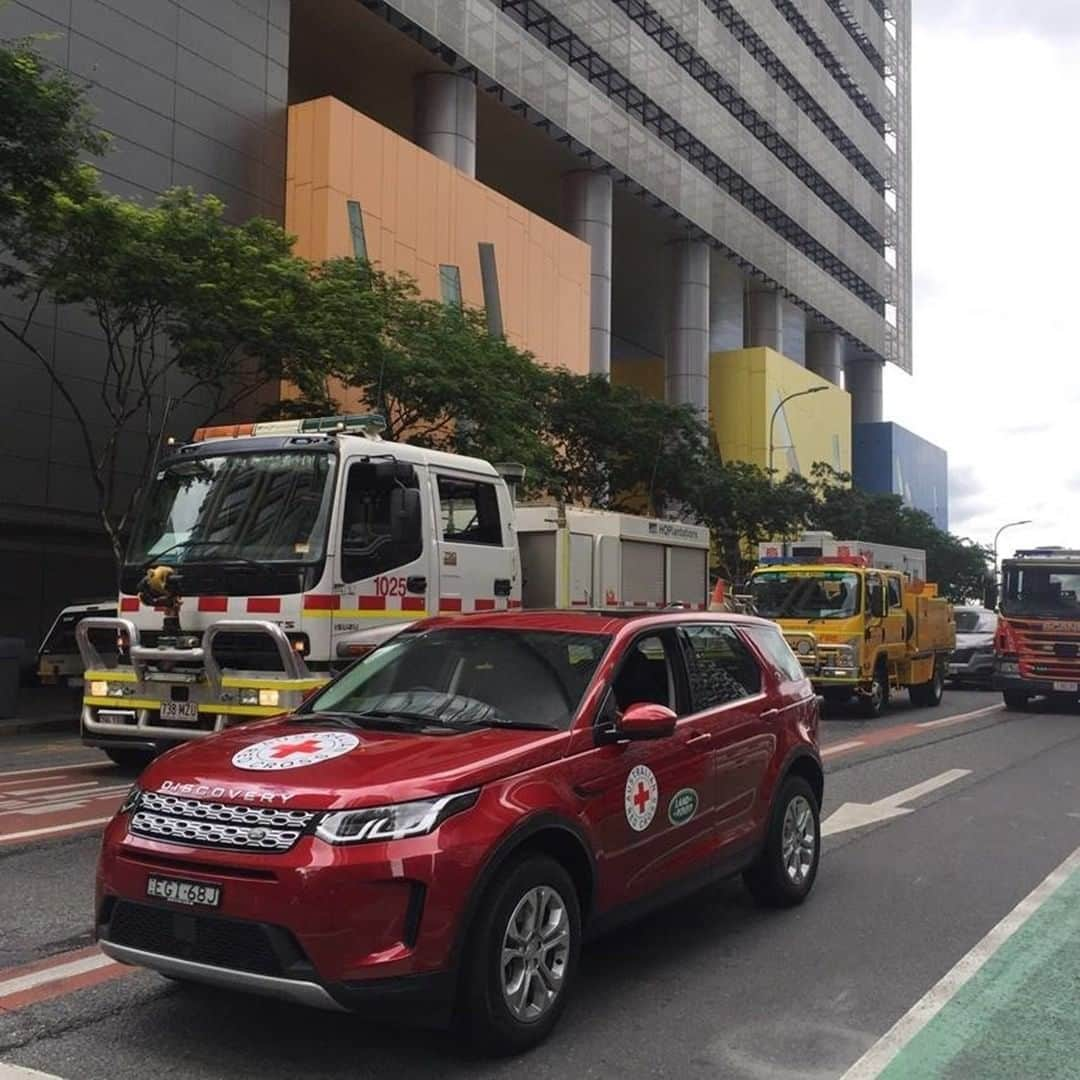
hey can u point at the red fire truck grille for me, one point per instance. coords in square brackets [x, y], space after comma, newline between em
[1047, 654]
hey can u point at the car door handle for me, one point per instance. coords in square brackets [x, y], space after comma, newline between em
[700, 739]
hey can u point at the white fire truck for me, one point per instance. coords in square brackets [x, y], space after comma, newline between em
[268, 555]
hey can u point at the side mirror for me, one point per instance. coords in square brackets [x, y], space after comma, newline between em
[647, 721]
[404, 514]
[877, 603]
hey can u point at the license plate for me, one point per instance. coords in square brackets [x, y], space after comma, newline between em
[1067, 687]
[183, 712]
[191, 893]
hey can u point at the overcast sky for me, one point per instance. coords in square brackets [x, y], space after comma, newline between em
[997, 262]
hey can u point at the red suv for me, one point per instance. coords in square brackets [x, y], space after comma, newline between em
[437, 830]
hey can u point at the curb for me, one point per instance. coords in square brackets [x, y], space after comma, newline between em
[46, 724]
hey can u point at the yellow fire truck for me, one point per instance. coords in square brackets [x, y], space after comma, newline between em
[862, 626]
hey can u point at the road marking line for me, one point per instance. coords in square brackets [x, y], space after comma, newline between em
[56, 768]
[881, 1054]
[858, 815]
[55, 973]
[18, 1072]
[48, 790]
[962, 716]
[839, 748]
[6, 838]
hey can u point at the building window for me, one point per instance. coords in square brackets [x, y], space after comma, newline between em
[450, 284]
[356, 227]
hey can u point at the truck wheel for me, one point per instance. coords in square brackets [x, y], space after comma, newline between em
[928, 695]
[134, 760]
[522, 957]
[872, 705]
[1016, 699]
[784, 872]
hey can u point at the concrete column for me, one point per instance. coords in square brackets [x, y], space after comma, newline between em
[825, 355]
[726, 314]
[586, 212]
[445, 118]
[764, 319]
[686, 349]
[865, 376]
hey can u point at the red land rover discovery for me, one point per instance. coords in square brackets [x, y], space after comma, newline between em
[439, 828]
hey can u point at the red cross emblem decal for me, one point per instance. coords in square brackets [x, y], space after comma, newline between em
[641, 797]
[311, 746]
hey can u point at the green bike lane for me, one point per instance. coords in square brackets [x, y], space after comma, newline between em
[1007, 1009]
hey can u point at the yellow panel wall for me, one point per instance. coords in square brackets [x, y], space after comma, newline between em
[745, 386]
[419, 213]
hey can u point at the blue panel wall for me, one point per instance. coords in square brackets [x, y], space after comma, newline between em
[892, 460]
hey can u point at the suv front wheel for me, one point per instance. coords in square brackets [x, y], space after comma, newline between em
[784, 872]
[522, 957]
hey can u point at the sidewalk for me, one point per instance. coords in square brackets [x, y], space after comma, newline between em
[43, 709]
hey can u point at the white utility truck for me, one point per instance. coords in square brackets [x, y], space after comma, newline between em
[268, 555]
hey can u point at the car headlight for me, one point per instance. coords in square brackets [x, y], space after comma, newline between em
[103, 688]
[1009, 667]
[131, 799]
[803, 647]
[393, 822]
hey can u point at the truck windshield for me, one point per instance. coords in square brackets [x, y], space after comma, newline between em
[459, 677]
[781, 594]
[1041, 590]
[264, 506]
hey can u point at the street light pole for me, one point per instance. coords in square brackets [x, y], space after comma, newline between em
[997, 537]
[776, 412]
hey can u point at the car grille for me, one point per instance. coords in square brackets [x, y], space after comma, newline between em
[215, 824]
[962, 656]
[205, 939]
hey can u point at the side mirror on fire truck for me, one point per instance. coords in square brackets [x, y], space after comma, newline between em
[404, 514]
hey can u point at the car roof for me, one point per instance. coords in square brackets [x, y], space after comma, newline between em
[587, 620]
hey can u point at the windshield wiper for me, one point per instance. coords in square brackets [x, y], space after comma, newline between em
[182, 545]
[491, 720]
[358, 720]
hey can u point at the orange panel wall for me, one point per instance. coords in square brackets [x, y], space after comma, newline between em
[420, 212]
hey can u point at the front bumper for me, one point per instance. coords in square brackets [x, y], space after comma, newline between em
[1034, 687]
[372, 926]
[976, 667]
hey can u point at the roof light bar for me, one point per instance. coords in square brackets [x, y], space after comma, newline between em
[367, 424]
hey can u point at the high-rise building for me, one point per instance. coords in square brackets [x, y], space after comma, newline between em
[707, 198]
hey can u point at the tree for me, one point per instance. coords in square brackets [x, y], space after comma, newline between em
[743, 506]
[47, 129]
[613, 447]
[431, 370]
[190, 310]
[959, 567]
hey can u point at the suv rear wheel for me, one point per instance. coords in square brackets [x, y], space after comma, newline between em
[784, 872]
[522, 957]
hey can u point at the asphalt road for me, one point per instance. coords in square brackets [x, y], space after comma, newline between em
[989, 806]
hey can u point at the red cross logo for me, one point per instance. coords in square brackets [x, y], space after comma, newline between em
[641, 799]
[310, 746]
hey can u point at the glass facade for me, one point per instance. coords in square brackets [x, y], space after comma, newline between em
[775, 129]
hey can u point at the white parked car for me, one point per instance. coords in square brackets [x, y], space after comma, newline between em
[972, 660]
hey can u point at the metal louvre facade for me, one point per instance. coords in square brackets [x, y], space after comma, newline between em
[767, 127]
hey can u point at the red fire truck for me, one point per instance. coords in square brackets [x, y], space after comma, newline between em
[1037, 649]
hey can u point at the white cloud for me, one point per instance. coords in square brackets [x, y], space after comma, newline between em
[997, 378]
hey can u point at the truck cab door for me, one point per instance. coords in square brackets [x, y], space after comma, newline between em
[477, 553]
[896, 622]
[875, 624]
[384, 549]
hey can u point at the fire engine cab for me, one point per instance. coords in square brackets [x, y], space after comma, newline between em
[266, 556]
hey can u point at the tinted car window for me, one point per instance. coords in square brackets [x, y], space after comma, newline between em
[462, 677]
[645, 676]
[368, 543]
[896, 596]
[771, 642]
[720, 666]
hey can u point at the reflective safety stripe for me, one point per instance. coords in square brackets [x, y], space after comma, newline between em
[238, 681]
[122, 703]
[110, 676]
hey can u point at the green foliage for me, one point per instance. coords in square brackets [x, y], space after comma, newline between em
[959, 567]
[190, 308]
[46, 132]
[612, 447]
